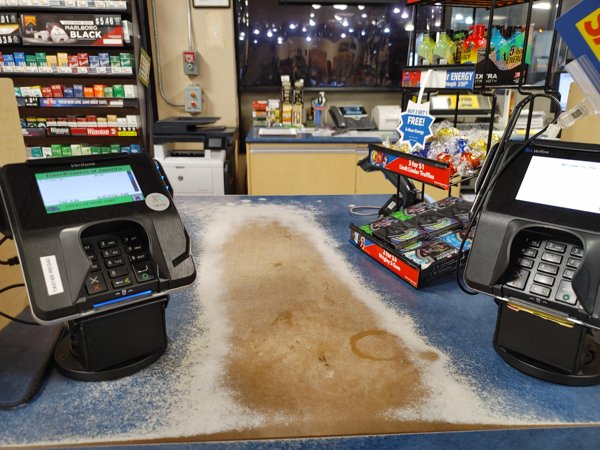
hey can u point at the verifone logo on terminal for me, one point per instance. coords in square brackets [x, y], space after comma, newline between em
[539, 151]
[88, 164]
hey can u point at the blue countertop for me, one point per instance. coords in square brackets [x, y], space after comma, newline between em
[322, 137]
[143, 407]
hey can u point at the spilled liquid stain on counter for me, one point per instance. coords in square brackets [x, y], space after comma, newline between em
[310, 351]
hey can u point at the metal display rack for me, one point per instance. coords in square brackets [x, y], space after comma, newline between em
[143, 105]
[401, 168]
[484, 88]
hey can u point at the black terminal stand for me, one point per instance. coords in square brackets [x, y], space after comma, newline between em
[547, 350]
[114, 344]
[539, 259]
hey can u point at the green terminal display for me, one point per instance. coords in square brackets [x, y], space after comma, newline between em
[72, 190]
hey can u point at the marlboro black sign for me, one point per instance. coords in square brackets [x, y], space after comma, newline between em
[81, 29]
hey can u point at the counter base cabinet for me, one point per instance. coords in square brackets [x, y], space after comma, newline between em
[296, 169]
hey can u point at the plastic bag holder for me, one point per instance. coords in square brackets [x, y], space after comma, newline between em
[114, 344]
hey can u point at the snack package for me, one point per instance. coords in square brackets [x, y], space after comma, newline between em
[435, 251]
[399, 234]
[454, 207]
[455, 238]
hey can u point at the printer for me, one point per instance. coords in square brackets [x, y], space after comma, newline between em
[386, 117]
[206, 170]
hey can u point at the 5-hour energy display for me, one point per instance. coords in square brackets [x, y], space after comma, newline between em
[72, 190]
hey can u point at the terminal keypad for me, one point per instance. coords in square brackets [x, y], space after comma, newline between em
[542, 272]
[121, 265]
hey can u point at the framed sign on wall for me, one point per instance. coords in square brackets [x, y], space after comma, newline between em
[211, 3]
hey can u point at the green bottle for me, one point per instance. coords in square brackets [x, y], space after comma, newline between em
[444, 50]
[425, 50]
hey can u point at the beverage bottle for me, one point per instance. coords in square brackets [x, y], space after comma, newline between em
[473, 44]
[444, 49]
[425, 50]
[497, 41]
[459, 39]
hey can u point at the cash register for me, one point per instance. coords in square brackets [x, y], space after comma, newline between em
[536, 250]
[101, 245]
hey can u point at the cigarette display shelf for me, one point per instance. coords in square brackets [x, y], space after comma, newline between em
[87, 132]
[143, 105]
[60, 5]
[23, 47]
[87, 104]
[96, 140]
[58, 72]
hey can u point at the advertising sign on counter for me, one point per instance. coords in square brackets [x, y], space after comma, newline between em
[71, 29]
[415, 124]
[580, 29]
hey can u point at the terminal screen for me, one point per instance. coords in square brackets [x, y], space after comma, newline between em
[72, 190]
[564, 183]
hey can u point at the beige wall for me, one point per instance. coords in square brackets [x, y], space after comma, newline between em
[213, 38]
[13, 151]
[586, 129]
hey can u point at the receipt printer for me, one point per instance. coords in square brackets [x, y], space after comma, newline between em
[386, 117]
[94, 233]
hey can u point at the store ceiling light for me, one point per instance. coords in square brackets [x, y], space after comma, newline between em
[345, 23]
[386, 30]
[350, 30]
[316, 6]
[396, 10]
[542, 5]
[459, 17]
[308, 38]
[363, 15]
[340, 7]
[343, 35]
[292, 26]
[361, 7]
[256, 31]
[312, 23]
[409, 27]
[404, 15]
[469, 20]
[269, 33]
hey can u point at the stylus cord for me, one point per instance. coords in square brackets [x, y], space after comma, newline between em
[15, 319]
[504, 161]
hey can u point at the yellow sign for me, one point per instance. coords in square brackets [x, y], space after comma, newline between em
[465, 102]
[589, 27]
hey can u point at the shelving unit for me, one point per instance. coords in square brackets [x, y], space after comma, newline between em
[480, 84]
[99, 68]
[402, 167]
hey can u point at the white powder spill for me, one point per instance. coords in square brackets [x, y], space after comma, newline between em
[199, 401]
[210, 408]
